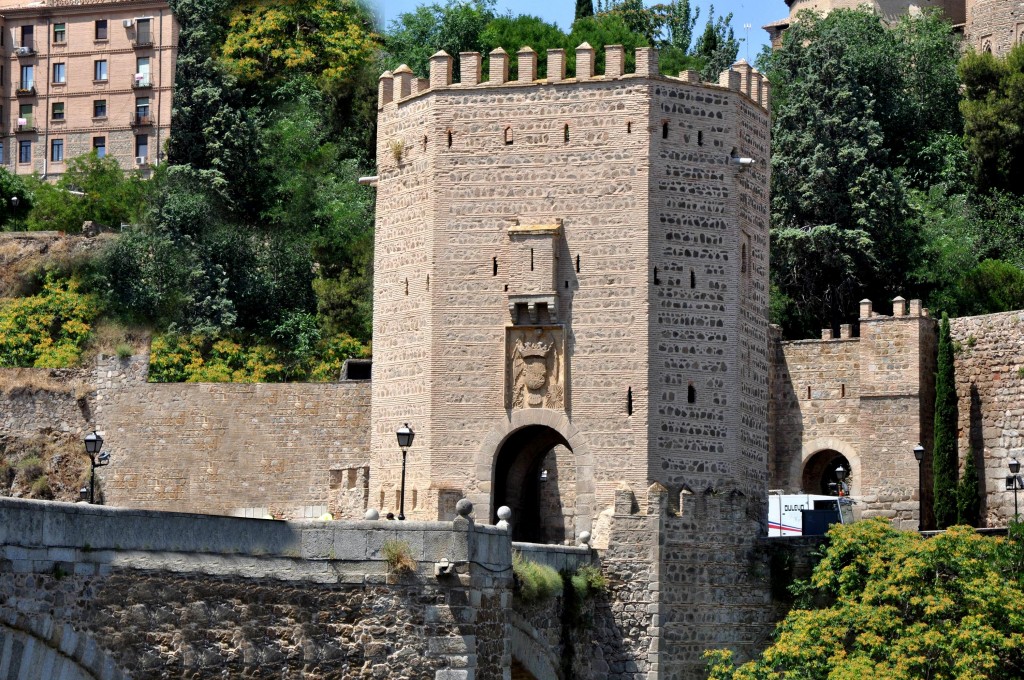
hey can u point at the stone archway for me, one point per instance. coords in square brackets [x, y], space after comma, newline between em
[554, 430]
[820, 476]
[823, 444]
[24, 655]
[534, 474]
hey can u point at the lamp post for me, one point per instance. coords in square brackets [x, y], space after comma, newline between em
[93, 444]
[919, 455]
[747, 28]
[405, 436]
[840, 476]
[1015, 478]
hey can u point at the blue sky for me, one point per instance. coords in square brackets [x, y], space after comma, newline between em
[755, 12]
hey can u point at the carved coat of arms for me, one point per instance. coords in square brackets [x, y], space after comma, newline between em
[535, 367]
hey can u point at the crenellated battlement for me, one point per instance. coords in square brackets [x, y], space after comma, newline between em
[402, 84]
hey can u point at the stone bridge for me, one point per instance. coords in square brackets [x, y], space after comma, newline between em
[97, 593]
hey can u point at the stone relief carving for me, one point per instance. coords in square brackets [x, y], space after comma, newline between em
[535, 367]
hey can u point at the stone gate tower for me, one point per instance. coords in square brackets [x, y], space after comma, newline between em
[571, 287]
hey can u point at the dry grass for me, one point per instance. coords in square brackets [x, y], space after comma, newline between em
[398, 556]
[49, 465]
[39, 379]
[112, 338]
[26, 257]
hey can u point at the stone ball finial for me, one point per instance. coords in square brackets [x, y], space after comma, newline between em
[505, 513]
[371, 515]
[584, 538]
[464, 507]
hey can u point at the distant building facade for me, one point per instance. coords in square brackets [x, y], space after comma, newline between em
[987, 25]
[84, 75]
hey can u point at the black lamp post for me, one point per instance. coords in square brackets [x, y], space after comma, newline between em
[840, 476]
[405, 436]
[93, 444]
[1015, 477]
[919, 455]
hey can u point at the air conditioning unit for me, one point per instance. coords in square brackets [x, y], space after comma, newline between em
[128, 23]
[141, 160]
[24, 50]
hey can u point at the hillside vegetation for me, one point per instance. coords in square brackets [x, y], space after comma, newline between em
[248, 255]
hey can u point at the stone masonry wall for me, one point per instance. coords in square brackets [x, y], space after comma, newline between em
[989, 359]
[995, 25]
[118, 593]
[292, 450]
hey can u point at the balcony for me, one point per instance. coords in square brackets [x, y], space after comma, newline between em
[25, 124]
[141, 81]
[142, 41]
[25, 50]
[141, 120]
[25, 88]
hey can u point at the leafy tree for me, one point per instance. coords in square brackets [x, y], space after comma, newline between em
[898, 606]
[514, 32]
[717, 47]
[993, 107]
[12, 217]
[584, 8]
[944, 453]
[455, 27]
[601, 30]
[92, 188]
[968, 494]
[993, 286]
[47, 330]
[843, 158]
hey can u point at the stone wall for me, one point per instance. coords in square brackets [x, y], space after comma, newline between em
[989, 359]
[128, 593]
[869, 399]
[290, 450]
[994, 25]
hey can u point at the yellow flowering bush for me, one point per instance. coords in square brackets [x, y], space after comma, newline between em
[197, 358]
[900, 607]
[47, 330]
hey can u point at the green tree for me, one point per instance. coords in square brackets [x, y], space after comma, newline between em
[270, 40]
[717, 46]
[993, 108]
[889, 604]
[514, 32]
[454, 27]
[944, 452]
[968, 494]
[601, 30]
[993, 286]
[16, 196]
[92, 188]
[584, 8]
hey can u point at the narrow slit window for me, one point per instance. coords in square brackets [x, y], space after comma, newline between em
[842, 390]
[424, 142]
[629, 401]
[664, 130]
[531, 259]
[808, 391]
[693, 279]
[743, 259]
[449, 139]
[566, 133]
[691, 394]
[700, 138]
[508, 136]
[494, 264]
[428, 281]
[407, 286]
[577, 264]
[656, 279]
[567, 284]
[629, 128]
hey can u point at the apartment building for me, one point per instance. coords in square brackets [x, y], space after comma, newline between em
[79, 75]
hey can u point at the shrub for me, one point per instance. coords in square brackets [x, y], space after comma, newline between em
[47, 330]
[124, 351]
[588, 581]
[534, 581]
[398, 556]
[41, 488]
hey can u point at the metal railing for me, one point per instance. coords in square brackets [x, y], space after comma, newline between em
[27, 126]
[141, 119]
[144, 81]
[25, 87]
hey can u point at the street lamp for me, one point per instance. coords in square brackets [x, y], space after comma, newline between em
[919, 455]
[405, 436]
[840, 476]
[93, 444]
[1015, 478]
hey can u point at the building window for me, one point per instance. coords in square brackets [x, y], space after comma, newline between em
[141, 146]
[99, 108]
[99, 145]
[25, 117]
[3, 159]
[57, 111]
[60, 33]
[142, 107]
[100, 69]
[143, 35]
[57, 150]
[25, 151]
[27, 33]
[60, 73]
[142, 71]
[101, 29]
[27, 78]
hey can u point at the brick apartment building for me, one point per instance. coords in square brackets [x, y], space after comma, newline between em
[79, 75]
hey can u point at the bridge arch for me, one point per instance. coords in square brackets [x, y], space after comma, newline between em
[514, 455]
[38, 648]
[532, 657]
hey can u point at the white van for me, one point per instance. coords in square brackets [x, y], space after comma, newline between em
[788, 513]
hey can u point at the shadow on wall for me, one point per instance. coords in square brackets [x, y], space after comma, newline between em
[976, 447]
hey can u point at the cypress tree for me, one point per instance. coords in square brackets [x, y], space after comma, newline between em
[944, 455]
[584, 8]
[968, 500]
